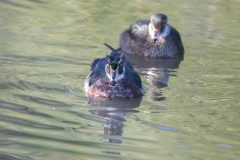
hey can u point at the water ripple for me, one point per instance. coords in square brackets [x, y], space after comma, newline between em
[28, 123]
[15, 133]
[38, 1]
[15, 4]
[7, 156]
[13, 59]
[21, 108]
[44, 101]
[159, 126]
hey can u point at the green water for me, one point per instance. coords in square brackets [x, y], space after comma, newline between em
[190, 110]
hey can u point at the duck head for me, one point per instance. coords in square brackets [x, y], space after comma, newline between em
[158, 27]
[115, 67]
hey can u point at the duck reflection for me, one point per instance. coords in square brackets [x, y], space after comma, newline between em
[157, 72]
[114, 112]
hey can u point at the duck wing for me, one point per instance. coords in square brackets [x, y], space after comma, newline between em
[133, 76]
[97, 70]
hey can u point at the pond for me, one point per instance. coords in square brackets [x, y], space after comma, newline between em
[190, 110]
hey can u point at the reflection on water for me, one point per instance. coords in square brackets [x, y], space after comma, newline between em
[114, 112]
[190, 109]
[157, 72]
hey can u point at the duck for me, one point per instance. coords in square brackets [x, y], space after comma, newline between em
[113, 77]
[154, 38]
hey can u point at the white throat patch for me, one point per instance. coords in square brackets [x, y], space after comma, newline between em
[118, 76]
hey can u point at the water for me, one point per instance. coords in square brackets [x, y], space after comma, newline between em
[190, 110]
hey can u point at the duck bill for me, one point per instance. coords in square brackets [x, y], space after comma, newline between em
[154, 34]
[113, 75]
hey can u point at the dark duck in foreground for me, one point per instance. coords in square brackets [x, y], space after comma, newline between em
[152, 38]
[113, 77]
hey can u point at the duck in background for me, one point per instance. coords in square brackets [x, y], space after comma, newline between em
[113, 77]
[152, 38]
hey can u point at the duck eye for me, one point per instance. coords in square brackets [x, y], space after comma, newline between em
[114, 66]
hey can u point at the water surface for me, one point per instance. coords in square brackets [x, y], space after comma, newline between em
[190, 110]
